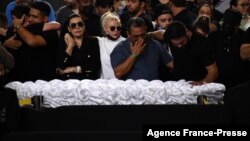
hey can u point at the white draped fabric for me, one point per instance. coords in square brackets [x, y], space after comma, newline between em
[117, 92]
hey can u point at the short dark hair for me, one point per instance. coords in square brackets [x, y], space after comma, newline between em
[42, 6]
[233, 3]
[20, 10]
[135, 22]
[179, 3]
[175, 30]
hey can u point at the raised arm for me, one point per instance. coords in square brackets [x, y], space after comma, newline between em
[29, 38]
[123, 68]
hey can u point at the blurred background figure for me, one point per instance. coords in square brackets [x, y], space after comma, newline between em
[103, 6]
[90, 18]
[243, 7]
[163, 17]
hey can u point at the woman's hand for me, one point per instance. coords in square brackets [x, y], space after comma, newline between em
[69, 40]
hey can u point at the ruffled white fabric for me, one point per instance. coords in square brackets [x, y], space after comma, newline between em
[117, 92]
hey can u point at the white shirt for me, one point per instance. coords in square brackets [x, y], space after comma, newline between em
[106, 47]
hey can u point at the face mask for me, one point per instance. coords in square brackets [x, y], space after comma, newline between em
[87, 10]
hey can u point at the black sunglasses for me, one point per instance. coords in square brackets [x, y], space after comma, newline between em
[118, 28]
[74, 25]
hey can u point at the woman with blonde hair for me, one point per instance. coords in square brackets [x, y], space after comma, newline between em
[111, 26]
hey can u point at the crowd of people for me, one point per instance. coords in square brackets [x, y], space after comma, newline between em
[127, 39]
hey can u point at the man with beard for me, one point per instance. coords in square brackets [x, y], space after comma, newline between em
[193, 55]
[136, 8]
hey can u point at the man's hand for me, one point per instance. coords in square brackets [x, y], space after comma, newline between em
[12, 43]
[17, 21]
[137, 47]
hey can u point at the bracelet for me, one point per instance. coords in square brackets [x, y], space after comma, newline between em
[134, 55]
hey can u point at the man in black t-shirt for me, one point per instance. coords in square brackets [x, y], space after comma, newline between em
[193, 55]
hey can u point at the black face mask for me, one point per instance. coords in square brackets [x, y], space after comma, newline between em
[88, 10]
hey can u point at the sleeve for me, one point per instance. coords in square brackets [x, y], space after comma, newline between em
[117, 56]
[9, 7]
[63, 58]
[52, 16]
[59, 17]
[164, 55]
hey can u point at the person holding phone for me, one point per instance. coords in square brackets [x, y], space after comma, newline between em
[78, 54]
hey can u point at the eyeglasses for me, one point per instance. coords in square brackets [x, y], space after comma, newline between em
[244, 5]
[133, 1]
[75, 25]
[118, 28]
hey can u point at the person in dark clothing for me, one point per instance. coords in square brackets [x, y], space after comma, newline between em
[90, 17]
[136, 8]
[227, 42]
[181, 13]
[78, 54]
[193, 55]
[36, 56]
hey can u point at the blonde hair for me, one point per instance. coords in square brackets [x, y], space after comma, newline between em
[108, 17]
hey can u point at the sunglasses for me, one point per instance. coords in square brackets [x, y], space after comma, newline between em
[118, 28]
[75, 25]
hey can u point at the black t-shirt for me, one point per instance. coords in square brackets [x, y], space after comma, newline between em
[191, 60]
[39, 62]
[232, 69]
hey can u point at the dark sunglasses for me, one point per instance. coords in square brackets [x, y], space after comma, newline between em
[74, 25]
[118, 28]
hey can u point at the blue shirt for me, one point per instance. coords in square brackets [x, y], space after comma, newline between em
[11, 6]
[146, 64]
